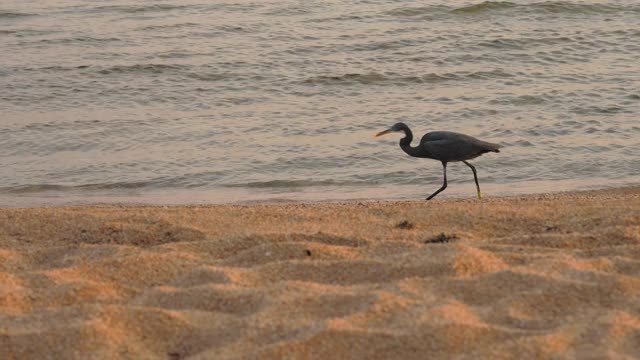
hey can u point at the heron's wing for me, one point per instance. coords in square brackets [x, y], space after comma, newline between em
[447, 150]
[450, 146]
[438, 135]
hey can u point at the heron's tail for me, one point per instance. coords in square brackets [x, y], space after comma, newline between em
[490, 147]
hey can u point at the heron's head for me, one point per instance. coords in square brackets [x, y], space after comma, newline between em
[397, 127]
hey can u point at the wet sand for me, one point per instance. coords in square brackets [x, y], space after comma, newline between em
[539, 276]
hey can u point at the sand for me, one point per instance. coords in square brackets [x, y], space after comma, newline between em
[549, 276]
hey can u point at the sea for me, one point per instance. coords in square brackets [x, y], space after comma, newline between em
[170, 102]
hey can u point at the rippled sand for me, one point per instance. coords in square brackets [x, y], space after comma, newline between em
[536, 276]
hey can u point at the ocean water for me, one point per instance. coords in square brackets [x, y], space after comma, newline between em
[235, 100]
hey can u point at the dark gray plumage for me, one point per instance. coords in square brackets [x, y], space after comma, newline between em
[445, 146]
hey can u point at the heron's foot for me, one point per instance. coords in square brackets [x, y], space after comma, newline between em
[479, 195]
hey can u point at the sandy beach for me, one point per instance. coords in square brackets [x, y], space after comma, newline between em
[540, 276]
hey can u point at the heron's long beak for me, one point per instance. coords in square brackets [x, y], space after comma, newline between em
[382, 133]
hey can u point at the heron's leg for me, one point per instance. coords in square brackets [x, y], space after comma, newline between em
[475, 177]
[444, 185]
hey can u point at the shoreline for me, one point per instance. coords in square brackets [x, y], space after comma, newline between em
[188, 199]
[538, 275]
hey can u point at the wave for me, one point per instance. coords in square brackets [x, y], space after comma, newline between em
[36, 188]
[116, 69]
[417, 11]
[132, 9]
[168, 26]
[202, 73]
[292, 184]
[521, 43]
[580, 8]
[395, 79]
[348, 78]
[14, 15]
[600, 110]
[344, 17]
[174, 182]
[56, 68]
[80, 39]
[544, 7]
[484, 7]
[522, 100]
[375, 178]
[509, 7]
[141, 68]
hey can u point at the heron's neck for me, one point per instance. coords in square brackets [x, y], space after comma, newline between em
[405, 143]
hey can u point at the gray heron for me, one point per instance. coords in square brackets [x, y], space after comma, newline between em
[445, 146]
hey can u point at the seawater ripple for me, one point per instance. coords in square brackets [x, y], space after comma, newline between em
[548, 7]
[399, 79]
[280, 99]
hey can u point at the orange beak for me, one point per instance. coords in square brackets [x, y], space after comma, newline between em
[382, 133]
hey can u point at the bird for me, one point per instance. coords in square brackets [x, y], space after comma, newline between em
[445, 146]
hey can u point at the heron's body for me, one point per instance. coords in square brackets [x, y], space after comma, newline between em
[445, 146]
